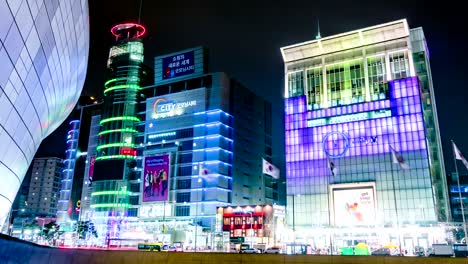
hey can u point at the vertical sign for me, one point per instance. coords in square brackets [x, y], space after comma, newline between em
[91, 168]
[156, 178]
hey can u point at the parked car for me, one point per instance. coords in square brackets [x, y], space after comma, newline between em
[273, 250]
[250, 251]
[381, 252]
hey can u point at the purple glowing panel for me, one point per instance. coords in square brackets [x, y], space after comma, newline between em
[356, 130]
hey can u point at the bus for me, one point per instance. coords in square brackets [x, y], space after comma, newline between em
[152, 246]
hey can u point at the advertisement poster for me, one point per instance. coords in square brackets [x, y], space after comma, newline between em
[354, 207]
[156, 178]
[178, 65]
[91, 168]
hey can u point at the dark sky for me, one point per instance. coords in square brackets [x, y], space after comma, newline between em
[244, 38]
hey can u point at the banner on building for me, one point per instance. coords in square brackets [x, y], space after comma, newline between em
[270, 169]
[156, 178]
[354, 206]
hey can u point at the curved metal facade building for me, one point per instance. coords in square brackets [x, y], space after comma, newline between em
[43, 53]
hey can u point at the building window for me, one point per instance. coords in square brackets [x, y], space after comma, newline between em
[399, 65]
[296, 84]
[183, 197]
[182, 210]
[314, 86]
[184, 184]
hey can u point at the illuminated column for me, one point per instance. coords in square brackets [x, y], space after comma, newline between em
[124, 70]
[68, 171]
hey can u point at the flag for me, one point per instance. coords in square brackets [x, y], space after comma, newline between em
[459, 155]
[202, 170]
[398, 159]
[270, 169]
[331, 166]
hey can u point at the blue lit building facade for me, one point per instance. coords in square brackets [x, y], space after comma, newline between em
[350, 99]
[197, 128]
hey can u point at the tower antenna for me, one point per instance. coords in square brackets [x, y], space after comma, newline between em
[139, 13]
[318, 30]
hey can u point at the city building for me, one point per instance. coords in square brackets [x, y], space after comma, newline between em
[363, 153]
[191, 156]
[260, 226]
[44, 187]
[44, 54]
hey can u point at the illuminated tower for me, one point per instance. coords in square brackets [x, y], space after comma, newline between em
[115, 151]
[124, 70]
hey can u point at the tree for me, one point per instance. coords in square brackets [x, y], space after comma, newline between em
[84, 229]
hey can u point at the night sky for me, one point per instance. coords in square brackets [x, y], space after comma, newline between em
[244, 39]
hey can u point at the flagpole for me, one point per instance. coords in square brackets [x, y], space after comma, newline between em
[395, 200]
[459, 193]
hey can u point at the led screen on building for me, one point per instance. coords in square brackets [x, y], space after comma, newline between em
[176, 104]
[178, 65]
[156, 178]
[354, 206]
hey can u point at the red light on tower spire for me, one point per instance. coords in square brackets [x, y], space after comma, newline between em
[128, 31]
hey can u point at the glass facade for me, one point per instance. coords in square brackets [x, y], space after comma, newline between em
[44, 53]
[350, 100]
[358, 139]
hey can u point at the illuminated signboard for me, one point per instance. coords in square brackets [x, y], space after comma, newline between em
[155, 210]
[354, 206]
[156, 178]
[176, 104]
[178, 65]
[349, 118]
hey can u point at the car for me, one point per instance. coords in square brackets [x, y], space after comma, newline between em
[273, 250]
[249, 251]
[381, 252]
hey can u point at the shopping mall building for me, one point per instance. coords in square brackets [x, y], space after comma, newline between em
[350, 99]
[162, 158]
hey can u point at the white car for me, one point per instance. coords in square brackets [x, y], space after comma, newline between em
[273, 250]
[249, 250]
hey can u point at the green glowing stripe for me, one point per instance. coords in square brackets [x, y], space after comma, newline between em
[115, 145]
[111, 193]
[130, 130]
[123, 86]
[116, 157]
[110, 205]
[115, 80]
[120, 118]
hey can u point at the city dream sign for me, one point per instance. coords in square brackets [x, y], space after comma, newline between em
[164, 108]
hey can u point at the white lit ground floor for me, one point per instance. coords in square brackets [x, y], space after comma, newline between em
[326, 240]
[127, 232]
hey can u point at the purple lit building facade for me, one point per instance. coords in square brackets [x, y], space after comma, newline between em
[350, 98]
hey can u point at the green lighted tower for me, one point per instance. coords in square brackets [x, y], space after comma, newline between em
[124, 75]
[115, 151]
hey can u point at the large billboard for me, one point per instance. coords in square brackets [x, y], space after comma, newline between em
[156, 178]
[178, 65]
[176, 104]
[353, 206]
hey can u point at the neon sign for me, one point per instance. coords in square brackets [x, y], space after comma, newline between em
[164, 108]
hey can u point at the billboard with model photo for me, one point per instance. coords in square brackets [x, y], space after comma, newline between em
[156, 178]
